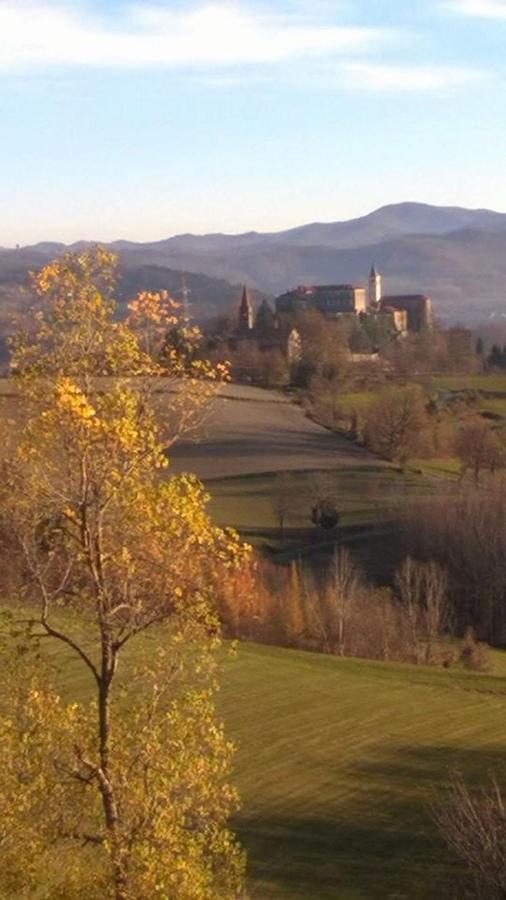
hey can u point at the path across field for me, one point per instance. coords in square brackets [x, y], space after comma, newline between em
[252, 431]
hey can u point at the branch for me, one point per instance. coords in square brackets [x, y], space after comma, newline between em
[60, 636]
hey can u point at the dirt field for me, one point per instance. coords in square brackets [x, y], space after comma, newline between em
[252, 431]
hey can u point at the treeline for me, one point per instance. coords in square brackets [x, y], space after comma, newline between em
[343, 614]
[465, 533]
[403, 422]
[348, 348]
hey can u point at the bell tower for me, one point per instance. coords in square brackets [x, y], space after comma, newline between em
[375, 291]
[245, 313]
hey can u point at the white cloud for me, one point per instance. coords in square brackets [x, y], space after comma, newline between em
[38, 33]
[483, 9]
[423, 78]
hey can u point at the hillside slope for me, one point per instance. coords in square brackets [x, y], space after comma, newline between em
[338, 762]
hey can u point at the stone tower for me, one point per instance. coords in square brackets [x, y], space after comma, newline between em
[245, 314]
[375, 291]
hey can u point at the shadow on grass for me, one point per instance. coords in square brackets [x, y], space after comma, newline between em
[384, 844]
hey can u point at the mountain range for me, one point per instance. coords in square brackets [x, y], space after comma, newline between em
[456, 255]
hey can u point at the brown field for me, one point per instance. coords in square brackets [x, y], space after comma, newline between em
[254, 431]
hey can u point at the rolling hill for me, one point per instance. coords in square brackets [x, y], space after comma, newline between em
[458, 256]
[337, 763]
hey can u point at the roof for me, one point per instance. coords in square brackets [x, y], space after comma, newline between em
[391, 298]
[317, 288]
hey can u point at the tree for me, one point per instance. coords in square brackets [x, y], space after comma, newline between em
[274, 369]
[137, 778]
[422, 588]
[461, 353]
[343, 588]
[324, 511]
[325, 350]
[325, 514]
[294, 616]
[473, 824]
[497, 357]
[465, 532]
[324, 396]
[395, 423]
[479, 447]
[283, 499]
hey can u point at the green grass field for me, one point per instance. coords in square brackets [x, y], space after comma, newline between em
[338, 762]
[488, 383]
[365, 496]
[490, 392]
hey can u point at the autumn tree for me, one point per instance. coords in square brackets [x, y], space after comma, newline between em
[130, 785]
[395, 423]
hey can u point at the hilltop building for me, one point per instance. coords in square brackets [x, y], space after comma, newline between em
[407, 312]
[329, 299]
[418, 309]
[391, 315]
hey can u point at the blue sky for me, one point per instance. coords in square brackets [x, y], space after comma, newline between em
[144, 119]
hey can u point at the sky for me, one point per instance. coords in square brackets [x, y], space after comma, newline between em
[140, 120]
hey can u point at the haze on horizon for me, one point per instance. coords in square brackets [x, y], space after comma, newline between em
[141, 120]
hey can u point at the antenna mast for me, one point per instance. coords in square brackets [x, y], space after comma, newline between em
[185, 293]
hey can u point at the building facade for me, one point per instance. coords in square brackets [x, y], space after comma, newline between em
[393, 315]
[328, 299]
[418, 308]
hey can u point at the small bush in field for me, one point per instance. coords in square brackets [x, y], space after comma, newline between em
[474, 655]
[324, 514]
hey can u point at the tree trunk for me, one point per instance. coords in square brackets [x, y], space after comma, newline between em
[106, 788]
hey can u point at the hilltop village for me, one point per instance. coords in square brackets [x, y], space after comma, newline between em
[386, 317]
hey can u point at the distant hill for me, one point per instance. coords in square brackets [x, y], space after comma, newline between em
[209, 296]
[382, 224]
[456, 255]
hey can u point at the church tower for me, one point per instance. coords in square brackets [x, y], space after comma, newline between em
[375, 291]
[245, 314]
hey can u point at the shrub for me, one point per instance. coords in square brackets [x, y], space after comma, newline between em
[474, 654]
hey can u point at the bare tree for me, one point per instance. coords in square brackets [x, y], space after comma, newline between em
[436, 612]
[422, 588]
[409, 584]
[340, 594]
[479, 447]
[465, 533]
[395, 423]
[473, 824]
[283, 499]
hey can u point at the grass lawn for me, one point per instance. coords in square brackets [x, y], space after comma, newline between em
[488, 383]
[356, 402]
[366, 497]
[363, 494]
[337, 764]
[445, 467]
